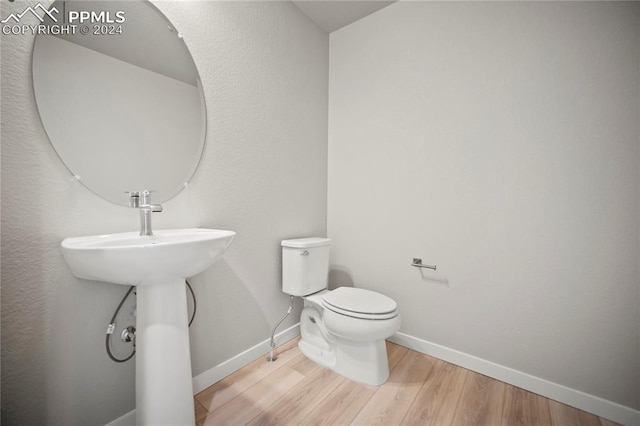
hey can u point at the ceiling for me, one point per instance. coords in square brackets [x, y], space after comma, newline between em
[331, 15]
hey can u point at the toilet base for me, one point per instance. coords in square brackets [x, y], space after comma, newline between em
[364, 363]
[326, 358]
[361, 360]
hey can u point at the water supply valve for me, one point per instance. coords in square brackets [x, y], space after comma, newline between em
[128, 334]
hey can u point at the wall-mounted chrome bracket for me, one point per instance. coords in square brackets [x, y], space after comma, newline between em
[418, 264]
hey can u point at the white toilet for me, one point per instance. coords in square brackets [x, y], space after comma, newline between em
[342, 329]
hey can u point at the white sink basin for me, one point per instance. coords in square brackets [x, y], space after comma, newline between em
[132, 259]
[158, 265]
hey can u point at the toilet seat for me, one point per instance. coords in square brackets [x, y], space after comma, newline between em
[360, 303]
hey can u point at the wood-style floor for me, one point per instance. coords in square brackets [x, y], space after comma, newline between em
[421, 390]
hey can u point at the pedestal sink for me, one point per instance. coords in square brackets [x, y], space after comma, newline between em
[158, 266]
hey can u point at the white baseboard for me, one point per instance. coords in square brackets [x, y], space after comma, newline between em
[128, 419]
[222, 370]
[575, 398]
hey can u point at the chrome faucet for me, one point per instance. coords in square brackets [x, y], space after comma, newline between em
[141, 200]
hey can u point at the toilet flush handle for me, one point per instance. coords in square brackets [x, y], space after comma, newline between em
[304, 253]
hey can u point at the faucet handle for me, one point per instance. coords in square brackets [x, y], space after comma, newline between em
[141, 200]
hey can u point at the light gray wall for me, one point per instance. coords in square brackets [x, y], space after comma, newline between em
[264, 68]
[499, 141]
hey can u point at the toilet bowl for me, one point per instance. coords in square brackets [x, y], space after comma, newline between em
[347, 343]
[342, 329]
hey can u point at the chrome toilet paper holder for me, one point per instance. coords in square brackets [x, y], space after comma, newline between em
[418, 264]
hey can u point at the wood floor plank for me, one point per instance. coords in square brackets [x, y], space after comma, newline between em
[391, 400]
[438, 398]
[395, 354]
[303, 365]
[481, 401]
[293, 407]
[524, 408]
[254, 400]
[421, 390]
[564, 415]
[236, 383]
[341, 406]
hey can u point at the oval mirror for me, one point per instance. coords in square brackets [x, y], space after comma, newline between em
[120, 97]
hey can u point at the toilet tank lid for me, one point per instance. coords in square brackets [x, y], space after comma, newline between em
[306, 242]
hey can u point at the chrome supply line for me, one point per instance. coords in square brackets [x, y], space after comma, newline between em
[272, 357]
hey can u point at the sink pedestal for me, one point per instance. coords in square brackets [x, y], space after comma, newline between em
[157, 265]
[164, 390]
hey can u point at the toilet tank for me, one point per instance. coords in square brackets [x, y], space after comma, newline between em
[305, 265]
